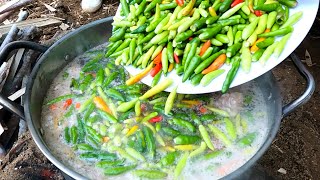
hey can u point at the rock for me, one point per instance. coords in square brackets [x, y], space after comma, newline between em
[90, 6]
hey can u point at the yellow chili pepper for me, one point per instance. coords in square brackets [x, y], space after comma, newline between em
[212, 12]
[254, 48]
[132, 130]
[167, 148]
[138, 77]
[191, 102]
[170, 67]
[187, 147]
[100, 104]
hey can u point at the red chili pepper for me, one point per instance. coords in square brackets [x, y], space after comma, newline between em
[156, 69]
[176, 58]
[67, 103]
[180, 2]
[155, 119]
[190, 38]
[258, 13]
[236, 2]
[203, 109]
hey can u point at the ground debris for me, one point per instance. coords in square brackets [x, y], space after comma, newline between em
[282, 171]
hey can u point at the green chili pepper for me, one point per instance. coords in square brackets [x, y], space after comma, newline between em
[194, 44]
[211, 32]
[108, 116]
[147, 38]
[109, 79]
[289, 3]
[230, 129]
[168, 159]
[207, 79]
[231, 11]
[267, 42]
[184, 124]
[231, 74]
[212, 155]
[150, 141]
[233, 50]
[118, 35]
[247, 139]
[280, 46]
[152, 5]
[185, 54]
[186, 139]
[271, 19]
[247, 31]
[292, 20]
[60, 98]
[171, 132]
[198, 24]
[267, 7]
[279, 32]
[67, 137]
[256, 56]
[156, 39]
[149, 116]
[156, 79]
[225, 5]
[115, 94]
[170, 101]
[246, 59]
[163, 22]
[141, 8]
[125, 7]
[183, 36]
[181, 164]
[196, 79]
[124, 107]
[206, 137]
[211, 20]
[113, 48]
[220, 135]
[262, 24]
[106, 164]
[228, 22]
[196, 60]
[81, 131]
[150, 174]
[267, 53]
[176, 25]
[198, 151]
[118, 170]
[73, 134]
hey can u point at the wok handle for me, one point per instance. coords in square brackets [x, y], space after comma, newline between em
[309, 89]
[4, 101]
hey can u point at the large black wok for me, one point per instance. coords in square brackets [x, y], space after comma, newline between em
[66, 49]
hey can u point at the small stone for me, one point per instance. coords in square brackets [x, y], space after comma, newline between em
[282, 171]
[90, 6]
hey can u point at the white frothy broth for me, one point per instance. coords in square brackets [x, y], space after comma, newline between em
[245, 104]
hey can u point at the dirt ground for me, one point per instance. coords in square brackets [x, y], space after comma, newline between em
[296, 147]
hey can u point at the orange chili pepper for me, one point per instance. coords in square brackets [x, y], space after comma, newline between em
[157, 59]
[100, 104]
[67, 103]
[78, 105]
[204, 48]
[138, 77]
[216, 64]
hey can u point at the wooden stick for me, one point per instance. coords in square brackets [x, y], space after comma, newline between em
[10, 36]
[13, 5]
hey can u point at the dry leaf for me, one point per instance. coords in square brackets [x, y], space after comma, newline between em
[64, 26]
[50, 8]
[282, 171]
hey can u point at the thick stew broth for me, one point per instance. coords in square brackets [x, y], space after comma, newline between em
[204, 136]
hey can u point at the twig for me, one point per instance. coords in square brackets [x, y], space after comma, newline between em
[5, 15]
[13, 5]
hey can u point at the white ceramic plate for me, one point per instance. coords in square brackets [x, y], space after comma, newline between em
[301, 29]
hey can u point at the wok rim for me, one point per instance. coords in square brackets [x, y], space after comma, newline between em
[38, 139]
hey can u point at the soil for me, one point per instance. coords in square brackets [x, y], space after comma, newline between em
[296, 147]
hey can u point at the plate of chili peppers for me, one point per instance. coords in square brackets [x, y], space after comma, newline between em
[207, 46]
